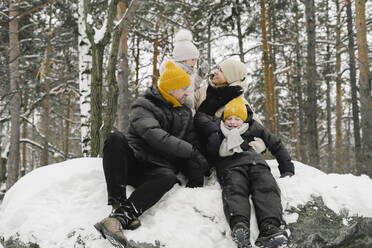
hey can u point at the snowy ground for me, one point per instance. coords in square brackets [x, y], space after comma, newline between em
[57, 205]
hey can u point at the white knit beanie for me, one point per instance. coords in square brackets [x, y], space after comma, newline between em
[183, 47]
[233, 70]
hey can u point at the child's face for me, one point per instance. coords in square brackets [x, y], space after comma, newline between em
[191, 62]
[233, 121]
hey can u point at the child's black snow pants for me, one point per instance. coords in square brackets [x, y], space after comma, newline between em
[238, 183]
[121, 168]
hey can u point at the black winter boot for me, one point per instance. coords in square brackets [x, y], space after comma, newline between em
[272, 236]
[240, 234]
[135, 223]
[112, 226]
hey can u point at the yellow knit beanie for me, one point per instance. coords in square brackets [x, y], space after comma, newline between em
[236, 107]
[172, 78]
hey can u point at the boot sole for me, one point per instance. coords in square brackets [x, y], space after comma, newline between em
[240, 239]
[114, 239]
[278, 241]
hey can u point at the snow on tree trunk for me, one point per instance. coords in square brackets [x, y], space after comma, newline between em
[85, 66]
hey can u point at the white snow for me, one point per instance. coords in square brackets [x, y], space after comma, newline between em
[57, 205]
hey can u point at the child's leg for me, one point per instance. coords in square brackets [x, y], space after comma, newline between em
[268, 207]
[265, 194]
[235, 195]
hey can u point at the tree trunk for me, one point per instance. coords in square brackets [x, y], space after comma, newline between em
[268, 73]
[85, 67]
[24, 134]
[155, 71]
[96, 98]
[123, 74]
[136, 56]
[67, 127]
[45, 79]
[312, 132]
[365, 86]
[15, 102]
[98, 45]
[339, 131]
[112, 97]
[272, 51]
[293, 115]
[239, 28]
[354, 98]
[299, 88]
[210, 40]
[327, 74]
[2, 160]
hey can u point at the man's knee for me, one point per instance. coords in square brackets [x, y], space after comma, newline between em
[115, 139]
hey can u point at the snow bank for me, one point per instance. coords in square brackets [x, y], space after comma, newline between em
[57, 205]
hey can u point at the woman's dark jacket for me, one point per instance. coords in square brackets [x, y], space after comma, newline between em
[208, 127]
[160, 133]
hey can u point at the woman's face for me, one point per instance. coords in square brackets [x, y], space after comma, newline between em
[218, 77]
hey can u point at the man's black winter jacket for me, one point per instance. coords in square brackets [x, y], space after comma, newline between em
[160, 133]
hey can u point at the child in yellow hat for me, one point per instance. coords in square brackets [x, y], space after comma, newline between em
[242, 172]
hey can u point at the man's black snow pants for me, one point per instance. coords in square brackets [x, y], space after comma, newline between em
[238, 183]
[121, 168]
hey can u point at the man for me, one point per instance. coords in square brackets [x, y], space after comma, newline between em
[224, 81]
[160, 143]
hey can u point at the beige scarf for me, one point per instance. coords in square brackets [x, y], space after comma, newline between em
[233, 139]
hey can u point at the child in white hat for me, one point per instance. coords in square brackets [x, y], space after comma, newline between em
[185, 55]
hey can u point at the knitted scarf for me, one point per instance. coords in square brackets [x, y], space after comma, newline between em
[232, 141]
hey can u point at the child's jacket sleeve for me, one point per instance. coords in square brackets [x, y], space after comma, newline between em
[276, 148]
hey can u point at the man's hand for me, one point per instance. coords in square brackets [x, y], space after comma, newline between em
[198, 161]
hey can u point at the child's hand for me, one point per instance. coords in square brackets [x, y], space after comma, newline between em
[203, 69]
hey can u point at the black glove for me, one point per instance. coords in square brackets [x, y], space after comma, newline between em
[196, 168]
[286, 174]
[198, 161]
[213, 144]
[195, 182]
[218, 97]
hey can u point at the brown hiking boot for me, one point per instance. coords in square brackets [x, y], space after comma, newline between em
[111, 229]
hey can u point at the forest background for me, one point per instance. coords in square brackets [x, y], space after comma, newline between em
[71, 69]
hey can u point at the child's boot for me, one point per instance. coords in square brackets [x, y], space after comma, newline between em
[240, 234]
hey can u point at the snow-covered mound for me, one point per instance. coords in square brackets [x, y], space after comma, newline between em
[57, 205]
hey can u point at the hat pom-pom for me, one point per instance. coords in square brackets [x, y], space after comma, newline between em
[169, 65]
[183, 35]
